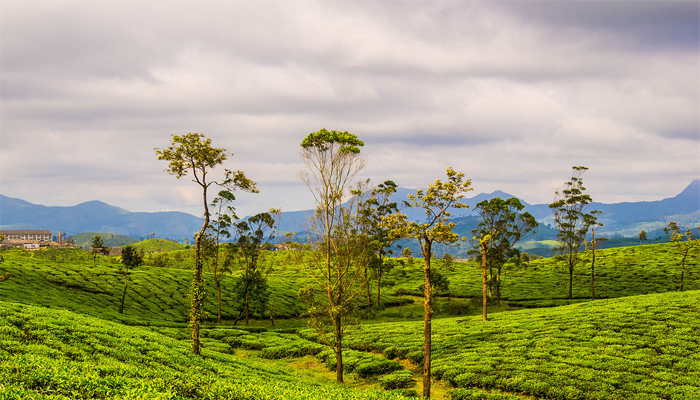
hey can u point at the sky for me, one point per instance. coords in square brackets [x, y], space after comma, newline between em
[512, 94]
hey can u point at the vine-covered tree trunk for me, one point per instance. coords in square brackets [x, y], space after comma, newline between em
[197, 291]
[484, 282]
[571, 280]
[427, 325]
[498, 287]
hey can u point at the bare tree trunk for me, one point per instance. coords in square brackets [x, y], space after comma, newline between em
[379, 285]
[593, 275]
[498, 286]
[218, 295]
[571, 280]
[247, 309]
[683, 267]
[338, 350]
[369, 295]
[121, 307]
[427, 325]
[484, 283]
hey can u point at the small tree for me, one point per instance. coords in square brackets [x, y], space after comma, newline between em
[371, 212]
[684, 243]
[250, 288]
[572, 221]
[130, 260]
[642, 236]
[502, 226]
[193, 154]
[98, 247]
[435, 201]
[591, 246]
[223, 217]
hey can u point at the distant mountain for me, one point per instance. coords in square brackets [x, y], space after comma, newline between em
[629, 218]
[96, 216]
[620, 219]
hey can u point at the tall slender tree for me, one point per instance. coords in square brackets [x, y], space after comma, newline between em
[435, 202]
[572, 221]
[251, 288]
[333, 160]
[592, 247]
[224, 216]
[193, 154]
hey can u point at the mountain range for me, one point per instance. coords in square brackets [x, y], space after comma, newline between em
[619, 219]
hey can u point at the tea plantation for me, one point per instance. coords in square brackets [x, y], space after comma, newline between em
[62, 337]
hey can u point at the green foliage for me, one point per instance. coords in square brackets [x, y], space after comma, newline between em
[53, 354]
[363, 364]
[400, 379]
[98, 247]
[325, 140]
[684, 243]
[156, 245]
[502, 226]
[628, 348]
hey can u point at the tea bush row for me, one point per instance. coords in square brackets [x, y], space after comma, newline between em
[53, 354]
[641, 347]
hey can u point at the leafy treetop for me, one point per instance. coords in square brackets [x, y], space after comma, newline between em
[324, 138]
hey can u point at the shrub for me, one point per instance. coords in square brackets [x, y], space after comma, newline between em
[397, 380]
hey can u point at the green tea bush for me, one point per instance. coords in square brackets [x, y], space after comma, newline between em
[401, 379]
[364, 364]
[641, 347]
[475, 394]
[55, 354]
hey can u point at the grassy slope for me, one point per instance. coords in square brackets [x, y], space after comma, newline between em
[150, 245]
[620, 272]
[54, 354]
[160, 294]
[641, 347]
[486, 356]
[84, 240]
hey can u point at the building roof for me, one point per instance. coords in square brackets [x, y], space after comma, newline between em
[26, 232]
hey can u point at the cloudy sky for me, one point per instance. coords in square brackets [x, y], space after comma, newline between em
[511, 93]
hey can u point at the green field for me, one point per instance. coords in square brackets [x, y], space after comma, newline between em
[639, 342]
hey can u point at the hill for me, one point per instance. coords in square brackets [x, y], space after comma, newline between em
[84, 240]
[74, 282]
[96, 216]
[61, 335]
[55, 354]
[639, 347]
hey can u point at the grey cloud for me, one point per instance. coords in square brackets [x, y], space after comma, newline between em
[426, 84]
